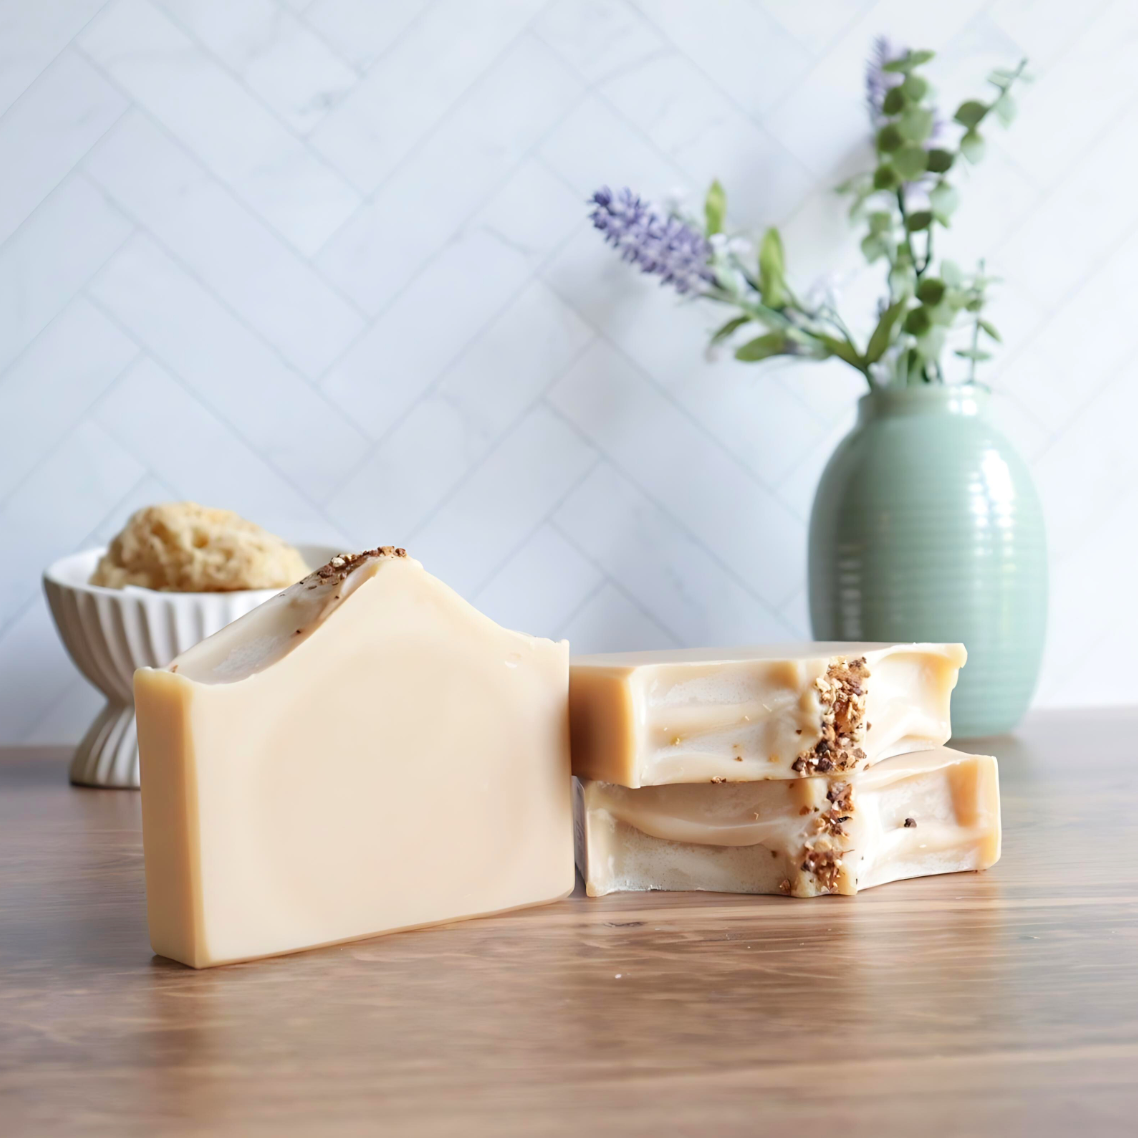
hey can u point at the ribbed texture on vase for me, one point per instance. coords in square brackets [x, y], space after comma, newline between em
[926, 526]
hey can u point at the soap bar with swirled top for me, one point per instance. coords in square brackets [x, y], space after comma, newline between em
[913, 815]
[742, 714]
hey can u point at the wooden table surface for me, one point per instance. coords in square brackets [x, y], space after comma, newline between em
[1003, 1003]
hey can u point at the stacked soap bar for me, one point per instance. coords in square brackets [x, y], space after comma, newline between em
[803, 770]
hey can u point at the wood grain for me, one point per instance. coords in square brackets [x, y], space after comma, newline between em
[1003, 1003]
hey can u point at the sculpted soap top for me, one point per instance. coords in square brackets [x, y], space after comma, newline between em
[743, 714]
[363, 752]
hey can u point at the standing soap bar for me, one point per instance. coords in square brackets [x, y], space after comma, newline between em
[362, 753]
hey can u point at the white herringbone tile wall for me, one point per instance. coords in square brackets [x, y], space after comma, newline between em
[326, 262]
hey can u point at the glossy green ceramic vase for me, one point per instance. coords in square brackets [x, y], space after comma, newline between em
[926, 526]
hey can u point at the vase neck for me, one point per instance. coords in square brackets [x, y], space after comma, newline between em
[927, 399]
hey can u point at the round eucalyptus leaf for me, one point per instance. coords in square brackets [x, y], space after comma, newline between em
[910, 161]
[894, 101]
[951, 274]
[874, 247]
[918, 321]
[916, 58]
[931, 290]
[915, 123]
[885, 177]
[972, 146]
[914, 88]
[940, 160]
[971, 113]
[880, 221]
[931, 344]
[1005, 108]
[922, 219]
[889, 138]
[943, 200]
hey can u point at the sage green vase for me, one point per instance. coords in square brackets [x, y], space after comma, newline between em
[926, 526]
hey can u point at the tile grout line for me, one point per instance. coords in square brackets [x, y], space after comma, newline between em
[254, 96]
[607, 579]
[47, 66]
[369, 196]
[622, 469]
[498, 443]
[245, 206]
[143, 228]
[228, 426]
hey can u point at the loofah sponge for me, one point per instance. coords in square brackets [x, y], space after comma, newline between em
[186, 548]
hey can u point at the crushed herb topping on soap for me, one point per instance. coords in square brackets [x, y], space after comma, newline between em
[826, 866]
[841, 694]
[338, 569]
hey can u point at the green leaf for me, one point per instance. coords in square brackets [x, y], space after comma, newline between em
[889, 138]
[942, 314]
[922, 219]
[931, 344]
[940, 160]
[874, 247]
[931, 291]
[725, 330]
[915, 123]
[910, 162]
[951, 274]
[883, 333]
[918, 322]
[908, 61]
[894, 101]
[855, 184]
[1005, 109]
[761, 348]
[943, 200]
[715, 208]
[902, 279]
[972, 146]
[990, 329]
[914, 88]
[843, 349]
[885, 177]
[971, 113]
[880, 221]
[972, 354]
[772, 280]
[1000, 76]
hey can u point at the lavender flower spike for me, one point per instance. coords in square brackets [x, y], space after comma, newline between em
[676, 252]
[877, 79]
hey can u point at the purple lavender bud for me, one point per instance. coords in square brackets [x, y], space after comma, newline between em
[664, 246]
[877, 79]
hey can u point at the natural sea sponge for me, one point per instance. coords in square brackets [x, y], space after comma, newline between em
[182, 547]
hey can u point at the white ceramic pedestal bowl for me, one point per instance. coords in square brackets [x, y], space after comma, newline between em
[110, 632]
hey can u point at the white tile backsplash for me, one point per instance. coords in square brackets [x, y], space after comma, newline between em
[327, 262]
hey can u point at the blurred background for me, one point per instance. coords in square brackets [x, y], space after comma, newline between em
[327, 263]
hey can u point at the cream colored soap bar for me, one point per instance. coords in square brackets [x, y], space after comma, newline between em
[362, 753]
[910, 816]
[741, 714]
